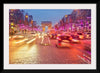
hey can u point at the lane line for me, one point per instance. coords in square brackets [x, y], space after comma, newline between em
[85, 60]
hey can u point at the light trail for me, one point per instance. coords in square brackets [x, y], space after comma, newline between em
[39, 36]
[84, 59]
[31, 41]
[9, 37]
[22, 41]
[14, 36]
[20, 36]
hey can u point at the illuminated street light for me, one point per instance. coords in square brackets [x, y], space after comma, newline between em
[12, 10]
[12, 24]
[31, 21]
[65, 15]
[26, 16]
[11, 14]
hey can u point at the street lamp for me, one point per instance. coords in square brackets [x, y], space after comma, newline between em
[32, 24]
[65, 15]
[12, 24]
[26, 16]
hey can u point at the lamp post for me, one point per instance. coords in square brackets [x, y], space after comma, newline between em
[26, 16]
[32, 24]
[26, 19]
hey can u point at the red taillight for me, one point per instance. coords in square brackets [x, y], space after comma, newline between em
[59, 43]
[70, 38]
[71, 43]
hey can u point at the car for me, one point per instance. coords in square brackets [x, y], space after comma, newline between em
[63, 41]
[74, 38]
[75, 41]
[80, 36]
[53, 36]
[52, 33]
[88, 35]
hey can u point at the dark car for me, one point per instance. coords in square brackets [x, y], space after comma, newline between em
[64, 41]
[80, 35]
[53, 36]
[74, 36]
[88, 35]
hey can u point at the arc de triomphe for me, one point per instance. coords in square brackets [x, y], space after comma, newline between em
[46, 23]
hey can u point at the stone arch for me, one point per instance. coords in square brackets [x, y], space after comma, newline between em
[46, 23]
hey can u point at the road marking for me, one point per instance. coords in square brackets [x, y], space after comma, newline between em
[85, 60]
[31, 41]
[89, 58]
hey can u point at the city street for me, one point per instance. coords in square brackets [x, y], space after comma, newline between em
[35, 53]
[49, 36]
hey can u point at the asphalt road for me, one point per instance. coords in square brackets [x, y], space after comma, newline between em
[35, 53]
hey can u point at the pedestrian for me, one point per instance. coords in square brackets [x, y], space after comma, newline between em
[45, 40]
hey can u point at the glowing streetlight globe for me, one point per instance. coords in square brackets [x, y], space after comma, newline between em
[26, 16]
[12, 14]
[65, 15]
[31, 21]
[12, 24]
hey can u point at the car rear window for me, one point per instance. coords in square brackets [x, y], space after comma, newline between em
[79, 33]
[64, 37]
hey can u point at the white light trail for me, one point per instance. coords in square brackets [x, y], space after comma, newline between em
[31, 41]
[9, 37]
[22, 41]
[20, 36]
[14, 36]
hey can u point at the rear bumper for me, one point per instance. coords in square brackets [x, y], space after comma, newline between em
[60, 45]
